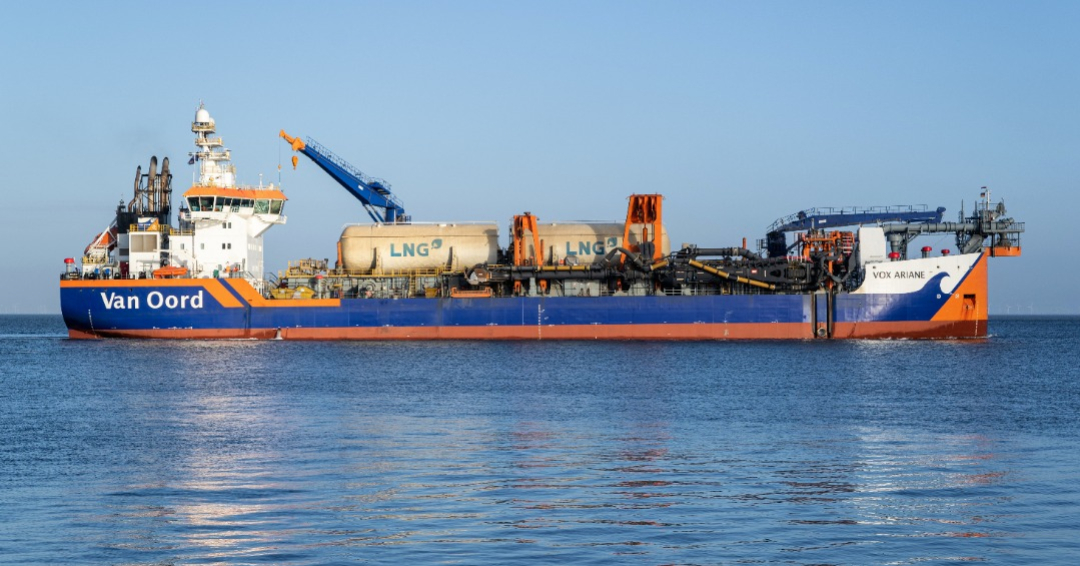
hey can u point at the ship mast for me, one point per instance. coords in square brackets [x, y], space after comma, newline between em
[215, 169]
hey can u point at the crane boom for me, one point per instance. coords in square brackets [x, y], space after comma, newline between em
[850, 216]
[823, 218]
[379, 202]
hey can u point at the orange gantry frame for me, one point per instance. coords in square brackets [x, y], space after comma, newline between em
[647, 210]
[527, 223]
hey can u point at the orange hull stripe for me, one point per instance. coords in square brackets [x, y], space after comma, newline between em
[580, 332]
[253, 298]
[964, 329]
[177, 334]
[568, 332]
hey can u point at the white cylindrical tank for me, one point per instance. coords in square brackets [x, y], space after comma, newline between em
[418, 246]
[587, 242]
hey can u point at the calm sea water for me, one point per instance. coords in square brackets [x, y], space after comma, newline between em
[879, 452]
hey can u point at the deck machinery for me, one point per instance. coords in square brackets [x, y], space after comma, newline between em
[820, 257]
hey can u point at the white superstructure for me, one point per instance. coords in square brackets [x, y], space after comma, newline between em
[221, 224]
[884, 276]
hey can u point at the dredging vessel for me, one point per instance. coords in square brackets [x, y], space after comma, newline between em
[821, 273]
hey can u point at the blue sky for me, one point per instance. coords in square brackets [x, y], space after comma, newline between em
[738, 113]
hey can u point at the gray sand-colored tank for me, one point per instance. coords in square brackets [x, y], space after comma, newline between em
[418, 246]
[391, 247]
[586, 242]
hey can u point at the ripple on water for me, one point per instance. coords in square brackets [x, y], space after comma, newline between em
[693, 453]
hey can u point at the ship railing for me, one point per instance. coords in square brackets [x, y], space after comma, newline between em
[98, 271]
[401, 273]
[99, 258]
[259, 284]
[1001, 227]
[847, 210]
[306, 268]
[407, 282]
[376, 273]
[440, 224]
[706, 291]
[153, 227]
[378, 185]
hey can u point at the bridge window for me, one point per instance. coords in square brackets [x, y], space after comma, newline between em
[193, 202]
[262, 206]
[246, 203]
[206, 204]
[218, 203]
[275, 206]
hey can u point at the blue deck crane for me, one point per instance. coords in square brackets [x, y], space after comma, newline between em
[374, 194]
[823, 218]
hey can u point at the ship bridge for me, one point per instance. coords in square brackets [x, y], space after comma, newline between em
[248, 201]
[221, 222]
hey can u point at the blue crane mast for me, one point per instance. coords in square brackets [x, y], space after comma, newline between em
[381, 204]
[829, 217]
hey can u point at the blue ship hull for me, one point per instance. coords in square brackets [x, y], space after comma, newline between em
[230, 308]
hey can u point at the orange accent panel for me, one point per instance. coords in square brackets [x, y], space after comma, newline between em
[648, 210]
[961, 329]
[253, 297]
[456, 293]
[522, 223]
[212, 286]
[199, 191]
[956, 308]
[170, 271]
[296, 143]
[1002, 251]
